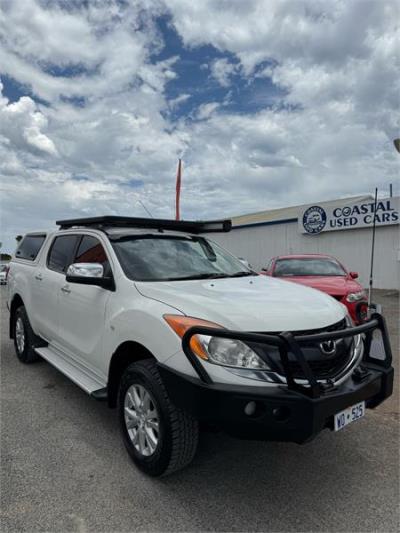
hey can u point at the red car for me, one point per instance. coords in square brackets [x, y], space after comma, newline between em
[325, 273]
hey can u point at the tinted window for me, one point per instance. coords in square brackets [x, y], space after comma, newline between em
[173, 258]
[30, 246]
[90, 250]
[308, 267]
[61, 252]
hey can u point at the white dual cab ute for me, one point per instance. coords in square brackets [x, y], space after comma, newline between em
[175, 332]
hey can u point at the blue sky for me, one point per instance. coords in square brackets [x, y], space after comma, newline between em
[268, 104]
[12, 89]
[244, 94]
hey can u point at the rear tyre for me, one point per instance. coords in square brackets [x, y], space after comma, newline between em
[159, 437]
[24, 337]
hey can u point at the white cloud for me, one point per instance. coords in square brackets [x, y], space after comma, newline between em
[100, 45]
[176, 102]
[311, 31]
[222, 70]
[322, 53]
[21, 125]
[206, 110]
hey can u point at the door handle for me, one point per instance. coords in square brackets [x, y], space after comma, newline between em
[66, 289]
[39, 277]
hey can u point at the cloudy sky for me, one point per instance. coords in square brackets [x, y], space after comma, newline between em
[268, 102]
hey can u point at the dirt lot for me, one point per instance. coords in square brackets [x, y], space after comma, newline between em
[64, 468]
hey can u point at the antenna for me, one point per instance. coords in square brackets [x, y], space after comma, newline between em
[145, 208]
[372, 251]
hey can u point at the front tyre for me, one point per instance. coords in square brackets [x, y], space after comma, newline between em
[24, 337]
[159, 437]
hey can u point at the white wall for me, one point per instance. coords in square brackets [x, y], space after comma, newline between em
[352, 247]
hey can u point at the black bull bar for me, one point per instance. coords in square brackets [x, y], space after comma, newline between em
[290, 342]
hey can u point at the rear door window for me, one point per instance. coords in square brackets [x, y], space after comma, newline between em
[62, 252]
[30, 247]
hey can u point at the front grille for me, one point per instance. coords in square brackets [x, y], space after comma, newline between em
[323, 369]
[323, 366]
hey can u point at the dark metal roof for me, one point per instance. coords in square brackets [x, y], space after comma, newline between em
[188, 226]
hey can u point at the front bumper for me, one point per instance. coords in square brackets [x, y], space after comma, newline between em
[281, 414]
[296, 411]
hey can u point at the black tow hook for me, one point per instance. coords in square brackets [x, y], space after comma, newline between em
[329, 386]
[360, 374]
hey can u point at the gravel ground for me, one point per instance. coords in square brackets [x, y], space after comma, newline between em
[64, 468]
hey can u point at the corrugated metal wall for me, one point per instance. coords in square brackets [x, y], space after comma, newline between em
[352, 247]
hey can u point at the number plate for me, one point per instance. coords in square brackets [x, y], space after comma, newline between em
[349, 415]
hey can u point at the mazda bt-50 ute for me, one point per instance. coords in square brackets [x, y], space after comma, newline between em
[160, 322]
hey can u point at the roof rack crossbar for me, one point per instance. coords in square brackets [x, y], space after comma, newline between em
[109, 221]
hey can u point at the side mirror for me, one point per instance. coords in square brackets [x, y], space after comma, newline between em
[264, 269]
[89, 274]
[354, 275]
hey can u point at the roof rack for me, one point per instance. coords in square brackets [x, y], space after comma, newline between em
[189, 226]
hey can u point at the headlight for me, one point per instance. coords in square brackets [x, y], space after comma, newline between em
[356, 296]
[225, 352]
[231, 352]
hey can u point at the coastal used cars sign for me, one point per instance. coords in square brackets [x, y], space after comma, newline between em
[318, 218]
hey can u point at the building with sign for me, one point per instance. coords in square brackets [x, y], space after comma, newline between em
[342, 228]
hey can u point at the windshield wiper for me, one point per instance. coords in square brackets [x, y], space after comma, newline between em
[241, 274]
[211, 275]
[206, 275]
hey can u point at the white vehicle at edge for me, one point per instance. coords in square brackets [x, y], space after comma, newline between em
[112, 302]
[3, 274]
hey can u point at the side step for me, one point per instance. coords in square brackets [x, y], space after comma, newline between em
[71, 369]
[100, 395]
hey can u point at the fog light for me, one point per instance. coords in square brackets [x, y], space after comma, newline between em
[362, 312]
[250, 408]
[281, 414]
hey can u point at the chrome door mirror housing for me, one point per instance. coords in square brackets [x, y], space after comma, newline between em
[89, 274]
[87, 270]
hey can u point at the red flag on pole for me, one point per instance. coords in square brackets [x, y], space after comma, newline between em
[178, 190]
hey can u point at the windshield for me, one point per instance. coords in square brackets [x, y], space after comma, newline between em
[308, 267]
[166, 258]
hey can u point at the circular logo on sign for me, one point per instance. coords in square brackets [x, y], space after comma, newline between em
[346, 211]
[314, 219]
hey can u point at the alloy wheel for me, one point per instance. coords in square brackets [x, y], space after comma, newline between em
[141, 419]
[20, 335]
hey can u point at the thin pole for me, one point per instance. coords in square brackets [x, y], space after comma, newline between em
[371, 274]
[145, 208]
[178, 191]
[391, 190]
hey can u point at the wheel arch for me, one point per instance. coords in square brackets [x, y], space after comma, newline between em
[16, 302]
[128, 352]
